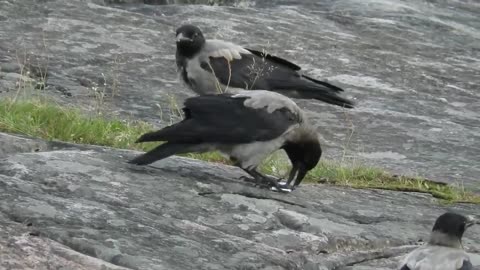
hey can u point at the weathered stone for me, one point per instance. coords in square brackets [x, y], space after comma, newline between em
[84, 207]
[18, 144]
[24, 248]
[412, 67]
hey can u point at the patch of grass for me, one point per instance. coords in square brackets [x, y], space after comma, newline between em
[52, 122]
[360, 176]
[351, 174]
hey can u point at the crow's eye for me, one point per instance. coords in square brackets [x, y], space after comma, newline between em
[195, 35]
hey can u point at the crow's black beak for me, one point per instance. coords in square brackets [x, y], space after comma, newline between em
[300, 175]
[471, 221]
[291, 176]
[182, 38]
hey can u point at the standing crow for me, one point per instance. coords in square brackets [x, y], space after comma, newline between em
[214, 66]
[444, 250]
[246, 126]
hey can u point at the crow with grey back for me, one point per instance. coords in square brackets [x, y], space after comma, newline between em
[215, 66]
[444, 249]
[246, 126]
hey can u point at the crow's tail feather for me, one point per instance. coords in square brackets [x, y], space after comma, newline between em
[309, 88]
[324, 91]
[181, 131]
[152, 136]
[325, 96]
[326, 84]
[160, 152]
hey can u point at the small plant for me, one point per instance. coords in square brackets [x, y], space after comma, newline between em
[108, 83]
[255, 70]
[99, 93]
[114, 77]
[175, 110]
[33, 72]
[218, 85]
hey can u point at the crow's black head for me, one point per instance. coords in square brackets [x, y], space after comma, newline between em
[190, 40]
[452, 225]
[304, 156]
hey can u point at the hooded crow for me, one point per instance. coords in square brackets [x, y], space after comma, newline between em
[444, 249]
[246, 126]
[215, 66]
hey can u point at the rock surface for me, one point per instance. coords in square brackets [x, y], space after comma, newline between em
[412, 67]
[66, 206]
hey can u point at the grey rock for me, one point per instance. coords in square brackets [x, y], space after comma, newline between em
[412, 66]
[10, 68]
[22, 248]
[19, 144]
[84, 207]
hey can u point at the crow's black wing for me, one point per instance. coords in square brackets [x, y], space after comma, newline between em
[275, 59]
[253, 70]
[287, 64]
[224, 119]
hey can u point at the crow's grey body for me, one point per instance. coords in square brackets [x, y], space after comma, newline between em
[216, 66]
[252, 153]
[246, 126]
[432, 257]
[444, 249]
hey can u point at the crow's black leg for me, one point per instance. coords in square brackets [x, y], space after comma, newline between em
[264, 179]
[248, 179]
[253, 179]
[292, 174]
[239, 165]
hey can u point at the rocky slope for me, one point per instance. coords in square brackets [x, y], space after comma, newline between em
[82, 207]
[412, 66]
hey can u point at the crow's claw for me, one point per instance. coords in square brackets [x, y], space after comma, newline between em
[248, 179]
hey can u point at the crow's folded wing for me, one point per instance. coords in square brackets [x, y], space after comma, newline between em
[237, 67]
[225, 119]
[244, 68]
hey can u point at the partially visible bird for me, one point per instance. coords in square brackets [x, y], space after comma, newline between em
[214, 66]
[444, 250]
[246, 126]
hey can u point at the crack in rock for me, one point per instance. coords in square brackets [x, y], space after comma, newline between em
[253, 196]
[339, 260]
